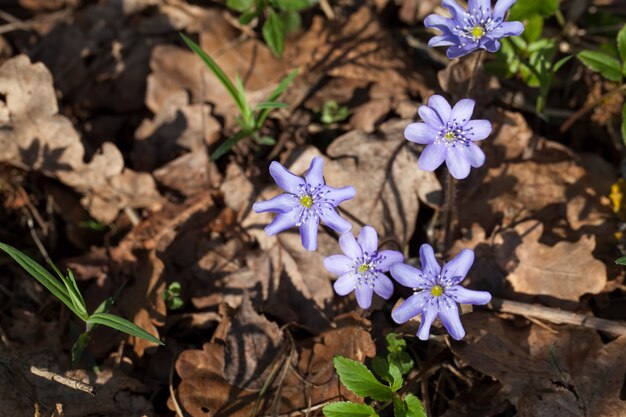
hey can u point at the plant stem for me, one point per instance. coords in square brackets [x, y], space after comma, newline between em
[475, 72]
[581, 112]
[448, 210]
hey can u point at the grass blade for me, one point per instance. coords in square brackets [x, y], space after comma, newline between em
[123, 325]
[271, 105]
[44, 277]
[217, 71]
[278, 91]
[225, 147]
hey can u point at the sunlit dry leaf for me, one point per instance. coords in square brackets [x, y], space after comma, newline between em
[589, 381]
[37, 138]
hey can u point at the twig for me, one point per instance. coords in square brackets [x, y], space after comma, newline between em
[53, 376]
[179, 411]
[328, 11]
[581, 112]
[553, 315]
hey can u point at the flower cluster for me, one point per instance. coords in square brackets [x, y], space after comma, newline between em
[449, 134]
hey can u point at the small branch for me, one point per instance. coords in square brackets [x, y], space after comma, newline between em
[581, 112]
[553, 315]
[52, 376]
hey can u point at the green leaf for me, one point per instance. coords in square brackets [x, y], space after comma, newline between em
[621, 44]
[621, 261]
[533, 28]
[217, 71]
[75, 296]
[226, 145]
[623, 126]
[266, 140]
[274, 33]
[414, 406]
[293, 5]
[247, 17]
[348, 409]
[278, 91]
[558, 64]
[123, 325]
[529, 8]
[239, 5]
[605, 64]
[79, 347]
[291, 20]
[44, 277]
[358, 379]
[399, 407]
[271, 105]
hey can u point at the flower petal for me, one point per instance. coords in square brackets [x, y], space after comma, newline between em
[443, 40]
[364, 296]
[475, 155]
[492, 45]
[475, 5]
[432, 157]
[338, 264]
[333, 220]
[339, 195]
[457, 162]
[449, 316]
[457, 11]
[455, 271]
[411, 307]
[349, 246]
[477, 129]
[420, 133]
[507, 29]
[282, 221]
[368, 239]
[308, 233]
[345, 284]
[457, 51]
[463, 295]
[430, 266]
[388, 258]
[431, 117]
[429, 313]
[462, 111]
[441, 106]
[444, 24]
[500, 9]
[409, 277]
[282, 203]
[315, 175]
[285, 179]
[383, 286]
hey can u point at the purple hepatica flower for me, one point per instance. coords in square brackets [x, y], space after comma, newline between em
[306, 201]
[363, 268]
[478, 27]
[449, 134]
[436, 291]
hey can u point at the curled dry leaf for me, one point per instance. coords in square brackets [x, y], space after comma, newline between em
[35, 137]
[566, 270]
[587, 381]
[251, 345]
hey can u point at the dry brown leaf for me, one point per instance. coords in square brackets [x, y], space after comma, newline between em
[565, 271]
[251, 345]
[591, 377]
[177, 127]
[190, 174]
[36, 137]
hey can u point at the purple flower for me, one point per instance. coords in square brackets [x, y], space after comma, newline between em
[362, 267]
[436, 291]
[449, 134]
[478, 27]
[306, 201]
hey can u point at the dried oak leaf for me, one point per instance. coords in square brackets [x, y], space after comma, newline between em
[251, 345]
[587, 381]
[36, 137]
[565, 271]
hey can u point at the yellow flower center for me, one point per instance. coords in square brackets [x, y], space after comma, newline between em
[364, 268]
[306, 201]
[436, 290]
[449, 136]
[478, 32]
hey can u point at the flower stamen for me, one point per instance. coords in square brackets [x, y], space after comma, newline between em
[436, 290]
[478, 32]
[306, 201]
